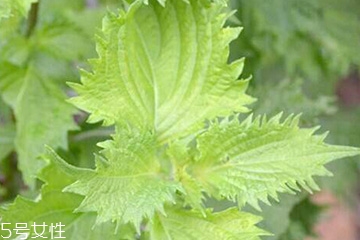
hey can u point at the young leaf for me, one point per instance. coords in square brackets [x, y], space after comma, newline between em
[128, 185]
[54, 206]
[164, 68]
[257, 158]
[180, 224]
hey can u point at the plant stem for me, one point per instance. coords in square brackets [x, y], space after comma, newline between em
[32, 19]
[96, 133]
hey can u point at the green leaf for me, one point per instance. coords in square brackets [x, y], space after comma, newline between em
[31, 81]
[257, 158]
[33, 93]
[128, 184]
[9, 8]
[64, 40]
[180, 224]
[54, 206]
[164, 68]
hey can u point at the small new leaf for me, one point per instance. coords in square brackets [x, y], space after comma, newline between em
[164, 68]
[128, 184]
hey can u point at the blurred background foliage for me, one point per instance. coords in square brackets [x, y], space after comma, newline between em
[303, 57]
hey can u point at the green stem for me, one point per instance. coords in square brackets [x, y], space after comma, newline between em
[103, 133]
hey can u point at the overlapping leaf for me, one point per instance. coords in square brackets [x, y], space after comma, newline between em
[164, 68]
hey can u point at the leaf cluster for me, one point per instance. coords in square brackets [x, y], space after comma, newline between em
[162, 85]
